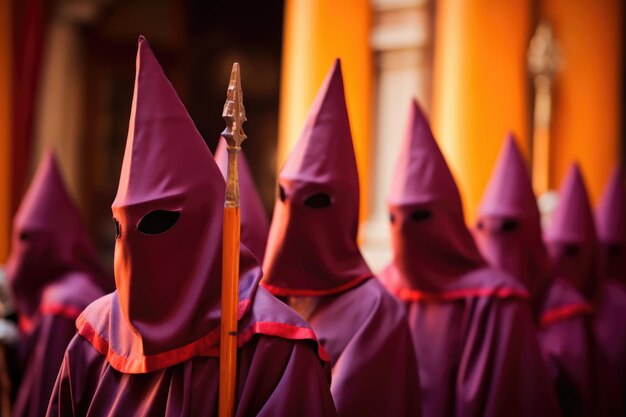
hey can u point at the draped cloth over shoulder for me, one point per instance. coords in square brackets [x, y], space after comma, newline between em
[312, 252]
[471, 324]
[54, 273]
[509, 235]
[152, 346]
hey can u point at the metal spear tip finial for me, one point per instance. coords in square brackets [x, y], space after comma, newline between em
[234, 113]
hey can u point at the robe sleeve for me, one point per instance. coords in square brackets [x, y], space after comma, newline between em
[377, 374]
[566, 347]
[283, 378]
[53, 335]
[501, 370]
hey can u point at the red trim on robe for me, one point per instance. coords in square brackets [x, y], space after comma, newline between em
[287, 292]
[208, 345]
[416, 295]
[26, 324]
[563, 313]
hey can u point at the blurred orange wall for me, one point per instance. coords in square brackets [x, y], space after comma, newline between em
[587, 93]
[480, 87]
[315, 33]
[6, 90]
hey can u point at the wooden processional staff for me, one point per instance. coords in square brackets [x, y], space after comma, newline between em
[234, 115]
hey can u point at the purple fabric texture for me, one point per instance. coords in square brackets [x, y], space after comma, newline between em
[509, 203]
[254, 222]
[290, 386]
[374, 370]
[54, 273]
[573, 246]
[571, 238]
[49, 240]
[312, 252]
[508, 233]
[151, 347]
[611, 228]
[472, 327]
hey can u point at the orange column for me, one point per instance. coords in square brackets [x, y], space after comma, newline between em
[480, 87]
[6, 91]
[315, 33]
[587, 105]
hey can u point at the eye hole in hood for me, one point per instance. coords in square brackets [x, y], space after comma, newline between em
[318, 201]
[421, 215]
[158, 221]
[281, 193]
[510, 225]
[118, 228]
[572, 250]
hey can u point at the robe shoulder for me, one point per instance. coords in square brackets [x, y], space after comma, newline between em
[103, 325]
[562, 302]
[367, 336]
[481, 282]
[270, 374]
[69, 295]
[565, 337]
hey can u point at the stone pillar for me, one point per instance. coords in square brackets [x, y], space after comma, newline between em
[401, 40]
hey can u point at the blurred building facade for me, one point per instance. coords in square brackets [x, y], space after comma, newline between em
[67, 67]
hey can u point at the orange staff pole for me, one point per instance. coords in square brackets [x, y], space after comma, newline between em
[235, 115]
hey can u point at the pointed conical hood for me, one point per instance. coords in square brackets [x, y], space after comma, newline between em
[508, 229]
[611, 228]
[421, 173]
[324, 153]
[611, 211]
[571, 235]
[572, 220]
[509, 192]
[312, 247]
[169, 213]
[254, 222]
[49, 239]
[432, 247]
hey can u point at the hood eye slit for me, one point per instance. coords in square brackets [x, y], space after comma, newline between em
[158, 221]
[420, 215]
[318, 201]
[118, 229]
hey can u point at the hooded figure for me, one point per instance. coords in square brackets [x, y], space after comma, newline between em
[611, 309]
[314, 263]
[471, 324]
[152, 346]
[254, 223]
[572, 244]
[54, 273]
[611, 229]
[508, 233]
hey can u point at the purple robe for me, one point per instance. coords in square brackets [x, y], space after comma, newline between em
[277, 375]
[151, 348]
[472, 326]
[54, 273]
[609, 327]
[508, 233]
[313, 260]
[572, 241]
